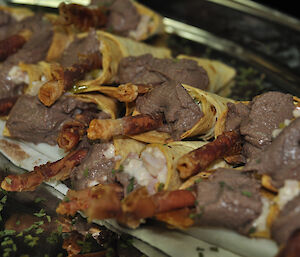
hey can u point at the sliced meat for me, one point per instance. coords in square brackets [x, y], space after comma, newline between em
[147, 70]
[31, 121]
[281, 159]
[228, 199]
[178, 108]
[96, 168]
[287, 222]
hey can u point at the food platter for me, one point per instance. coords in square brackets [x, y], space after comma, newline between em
[256, 73]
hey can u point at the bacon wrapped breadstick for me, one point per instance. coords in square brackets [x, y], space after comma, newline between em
[98, 202]
[95, 68]
[188, 112]
[6, 104]
[140, 205]
[104, 201]
[229, 143]
[131, 125]
[82, 17]
[125, 18]
[64, 79]
[13, 43]
[59, 170]
[70, 135]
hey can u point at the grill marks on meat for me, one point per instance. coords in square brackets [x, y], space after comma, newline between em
[148, 70]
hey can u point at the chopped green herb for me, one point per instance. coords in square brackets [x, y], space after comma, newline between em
[53, 238]
[160, 187]
[39, 199]
[120, 169]
[8, 181]
[130, 185]
[31, 240]
[59, 229]
[252, 230]
[198, 180]
[246, 193]
[281, 125]
[86, 173]
[48, 218]
[223, 185]
[214, 248]
[39, 231]
[18, 222]
[86, 246]
[40, 214]
[110, 252]
[7, 232]
[66, 199]
[3, 199]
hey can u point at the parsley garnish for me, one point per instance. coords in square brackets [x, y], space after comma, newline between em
[40, 214]
[130, 185]
[246, 193]
[214, 248]
[8, 180]
[160, 187]
[198, 180]
[39, 199]
[86, 173]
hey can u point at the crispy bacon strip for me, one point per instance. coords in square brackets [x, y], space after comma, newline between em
[292, 248]
[98, 202]
[227, 144]
[82, 17]
[130, 125]
[70, 134]
[6, 104]
[64, 79]
[59, 170]
[13, 43]
[140, 205]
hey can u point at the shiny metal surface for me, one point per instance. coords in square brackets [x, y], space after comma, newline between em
[286, 79]
[49, 3]
[260, 10]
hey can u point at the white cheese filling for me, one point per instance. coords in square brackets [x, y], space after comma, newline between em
[17, 76]
[148, 169]
[288, 192]
[260, 224]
